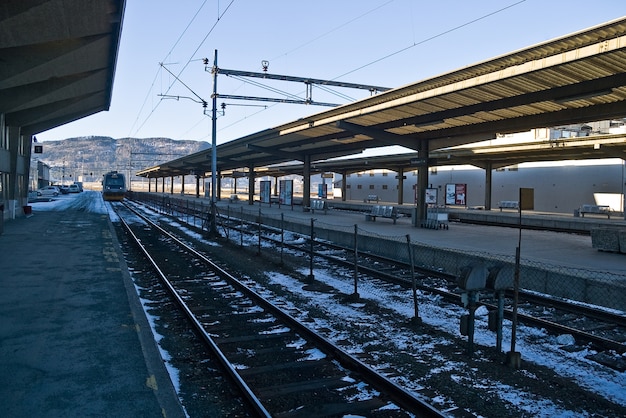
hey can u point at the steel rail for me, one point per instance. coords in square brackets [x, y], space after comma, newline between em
[398, 394]
[249, 396]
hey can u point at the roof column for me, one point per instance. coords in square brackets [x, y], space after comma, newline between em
[488, 184]
[219, 185]
[344, 185]
[401, 177]
[182, 184]
[251, 178]
[306, 188]
[422, 182]
[197, 186]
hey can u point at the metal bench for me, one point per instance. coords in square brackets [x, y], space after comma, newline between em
[371, 198]
[595, 209]
[318, 204]
[508, 204]
[383, 212]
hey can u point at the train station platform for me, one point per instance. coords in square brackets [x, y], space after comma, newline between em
[74, 340]
[494, 232]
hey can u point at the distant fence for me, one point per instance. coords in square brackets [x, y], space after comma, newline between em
[588, 286]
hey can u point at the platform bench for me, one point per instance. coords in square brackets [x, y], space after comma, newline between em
[318, 204]
[595, 209]
[508, 204]
[383, 212]
[371, 198]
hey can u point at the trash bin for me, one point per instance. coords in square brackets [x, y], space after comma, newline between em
[576, 213]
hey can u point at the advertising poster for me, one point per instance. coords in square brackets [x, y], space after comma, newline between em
[456, 194]
[285, 195]
[266, 187]
[322, 190]
[431, 196]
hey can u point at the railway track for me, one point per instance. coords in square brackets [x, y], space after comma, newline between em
[278, 365]
[602, 329]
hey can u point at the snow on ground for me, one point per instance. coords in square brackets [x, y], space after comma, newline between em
[535, 345]
[88, 200]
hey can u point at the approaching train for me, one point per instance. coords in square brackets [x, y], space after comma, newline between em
[113, 186]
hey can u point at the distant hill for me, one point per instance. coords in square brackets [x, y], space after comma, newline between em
[90, 157]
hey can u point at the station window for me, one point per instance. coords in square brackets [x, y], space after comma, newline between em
[348, 186]
[359, 174]
[359, 187]
[371, 187]
[371, 174]
[385, 187]
[385, 174]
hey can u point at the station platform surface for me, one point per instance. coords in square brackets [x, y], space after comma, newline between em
[571, 250]
[74, 340]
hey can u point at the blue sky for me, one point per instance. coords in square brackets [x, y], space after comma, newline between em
[386, 43]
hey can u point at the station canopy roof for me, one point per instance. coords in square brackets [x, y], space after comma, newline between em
[577, 78]
[58, 60]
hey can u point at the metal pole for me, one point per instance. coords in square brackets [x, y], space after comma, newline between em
[514, 358]
[259, 250]
[311, 276]
[356, 260]
[214, 147]
[413, 283]
[282, 236]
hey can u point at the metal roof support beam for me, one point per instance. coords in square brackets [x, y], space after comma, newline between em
[276, 152]
[306, 189]
[251, 178]
[380, 135]
[488, 185]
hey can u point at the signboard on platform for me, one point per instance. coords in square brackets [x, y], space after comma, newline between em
[266, 189]
[285, 194]
[456, 194]
[322, 191]
[431, 196]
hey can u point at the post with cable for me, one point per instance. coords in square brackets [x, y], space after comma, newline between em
[214, 71]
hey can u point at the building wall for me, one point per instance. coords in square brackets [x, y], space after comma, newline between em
[556, 189]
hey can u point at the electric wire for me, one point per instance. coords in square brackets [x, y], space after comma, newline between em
[219, 17]
[149, 92]
[414, 44]
[431, 38]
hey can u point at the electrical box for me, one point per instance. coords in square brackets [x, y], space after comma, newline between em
[473, 277]
[500, 277]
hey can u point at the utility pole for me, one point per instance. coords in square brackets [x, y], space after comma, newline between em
[214, 70]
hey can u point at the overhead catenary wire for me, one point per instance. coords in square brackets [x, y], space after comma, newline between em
[219, 17]
[413, 45]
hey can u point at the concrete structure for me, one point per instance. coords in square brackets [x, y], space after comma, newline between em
[574, 79]
[58, 73]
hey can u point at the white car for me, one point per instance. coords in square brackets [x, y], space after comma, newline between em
[49, 191]
[74, 188]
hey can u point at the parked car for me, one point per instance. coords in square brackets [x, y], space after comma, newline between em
[74, 188]
[49, 191]
[64, 189]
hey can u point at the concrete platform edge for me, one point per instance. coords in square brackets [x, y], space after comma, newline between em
[162, 384]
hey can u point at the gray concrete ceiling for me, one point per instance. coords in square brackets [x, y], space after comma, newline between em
[57, 60]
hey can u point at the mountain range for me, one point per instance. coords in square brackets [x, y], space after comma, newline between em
[88, 158]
